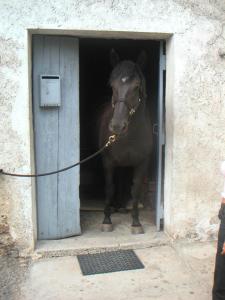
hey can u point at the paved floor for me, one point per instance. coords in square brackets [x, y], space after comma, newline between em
[176, 271]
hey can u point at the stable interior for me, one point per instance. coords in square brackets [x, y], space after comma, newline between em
[95, 91]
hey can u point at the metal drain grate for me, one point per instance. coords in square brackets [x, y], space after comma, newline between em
[108, 262]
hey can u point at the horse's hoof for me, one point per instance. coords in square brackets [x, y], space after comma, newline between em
[107, 227]
[137, 230]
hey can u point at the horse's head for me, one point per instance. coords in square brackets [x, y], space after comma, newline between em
[128, 90]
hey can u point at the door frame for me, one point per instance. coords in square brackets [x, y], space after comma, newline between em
[168, 38]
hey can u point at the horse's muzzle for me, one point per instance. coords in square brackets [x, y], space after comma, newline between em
[118, 128]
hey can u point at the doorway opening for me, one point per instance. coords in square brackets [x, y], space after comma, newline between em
[95, 69]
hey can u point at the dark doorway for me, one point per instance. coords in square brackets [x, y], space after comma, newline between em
[95, 91]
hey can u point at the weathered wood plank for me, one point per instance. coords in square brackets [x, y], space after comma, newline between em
[68, 182]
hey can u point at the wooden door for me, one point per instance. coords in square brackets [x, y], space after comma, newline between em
[56, 134]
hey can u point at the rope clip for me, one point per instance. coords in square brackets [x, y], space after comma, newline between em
[111, 140]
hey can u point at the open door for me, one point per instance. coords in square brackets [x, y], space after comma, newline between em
[161, 138]
[56, 134]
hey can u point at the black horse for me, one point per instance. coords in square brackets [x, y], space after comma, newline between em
[128, 118]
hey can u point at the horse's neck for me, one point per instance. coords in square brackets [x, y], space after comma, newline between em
[138, 120]
[140, 113]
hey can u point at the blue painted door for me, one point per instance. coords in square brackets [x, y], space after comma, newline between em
[56, 134]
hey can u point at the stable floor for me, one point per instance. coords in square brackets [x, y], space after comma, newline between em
[180, 271]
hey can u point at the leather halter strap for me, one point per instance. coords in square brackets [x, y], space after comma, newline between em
[131, 110]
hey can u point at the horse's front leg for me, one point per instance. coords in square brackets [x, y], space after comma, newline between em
[109, 192]
[138, 177]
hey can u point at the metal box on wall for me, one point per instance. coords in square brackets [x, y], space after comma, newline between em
[50, 91]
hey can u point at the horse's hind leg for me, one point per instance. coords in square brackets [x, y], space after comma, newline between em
[109, 190]
[139, 173]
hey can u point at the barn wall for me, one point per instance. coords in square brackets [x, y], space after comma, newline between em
[195, 102]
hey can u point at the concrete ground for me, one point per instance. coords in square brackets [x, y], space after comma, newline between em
[175, 271]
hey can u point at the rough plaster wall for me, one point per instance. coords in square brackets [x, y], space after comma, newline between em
[195, 101]
[14, 194]
[198, 122]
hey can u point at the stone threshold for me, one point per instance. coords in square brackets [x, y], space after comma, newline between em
[84, 245]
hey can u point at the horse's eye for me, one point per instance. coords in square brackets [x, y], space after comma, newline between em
[136, 88]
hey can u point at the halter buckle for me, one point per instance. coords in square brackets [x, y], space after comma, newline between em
[132, 111]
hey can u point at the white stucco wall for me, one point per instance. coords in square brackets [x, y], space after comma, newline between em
[195, 97]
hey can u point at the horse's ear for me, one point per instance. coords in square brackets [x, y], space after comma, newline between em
[114, 58]
[142, 60]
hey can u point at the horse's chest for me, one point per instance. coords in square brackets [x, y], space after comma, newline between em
[125, 158]
[127, 155]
